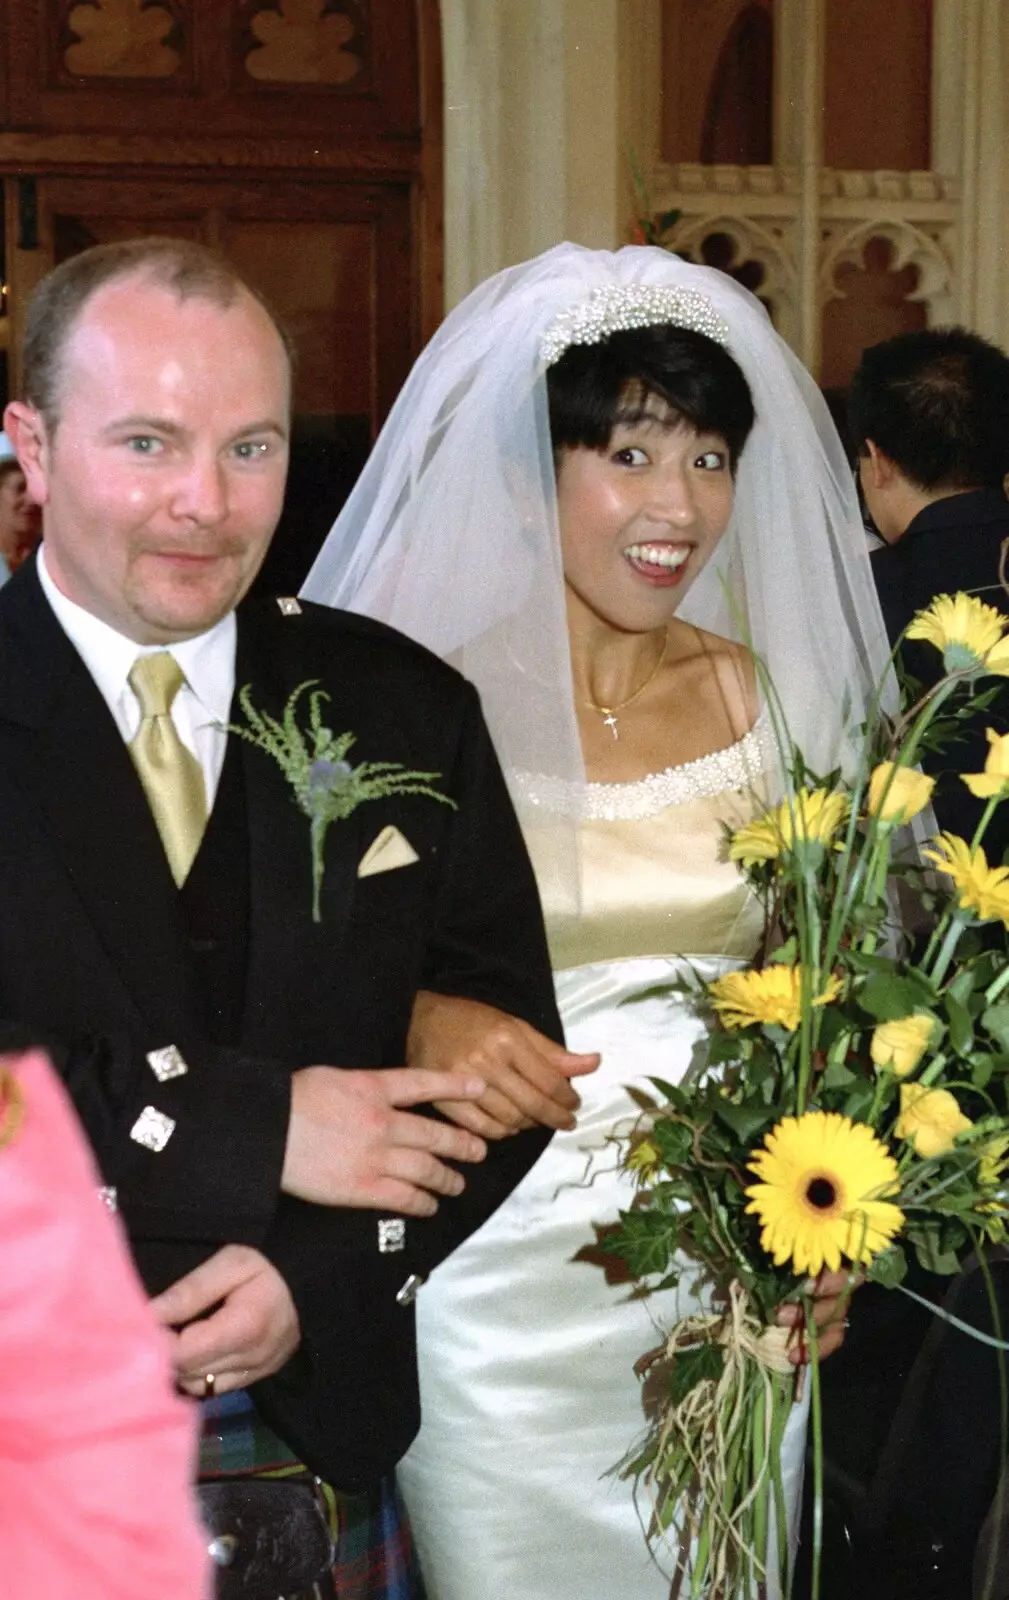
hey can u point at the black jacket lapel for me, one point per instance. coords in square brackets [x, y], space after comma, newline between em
[67, 753]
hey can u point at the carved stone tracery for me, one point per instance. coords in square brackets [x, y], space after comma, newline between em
[759, 209]
[927, 249]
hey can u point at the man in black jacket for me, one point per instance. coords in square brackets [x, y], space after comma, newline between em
[929, 417]
[237, 1062]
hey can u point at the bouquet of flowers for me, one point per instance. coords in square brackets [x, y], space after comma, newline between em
[850, 1107]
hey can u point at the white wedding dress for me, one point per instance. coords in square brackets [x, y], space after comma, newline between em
[527, 1353]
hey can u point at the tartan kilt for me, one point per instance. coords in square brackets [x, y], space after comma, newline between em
[375, 1556]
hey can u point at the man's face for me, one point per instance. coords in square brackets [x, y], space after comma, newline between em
[18, 512]
[163, 478]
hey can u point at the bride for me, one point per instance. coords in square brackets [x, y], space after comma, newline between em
[606, 481]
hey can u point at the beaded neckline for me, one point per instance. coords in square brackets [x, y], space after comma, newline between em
[738, 766]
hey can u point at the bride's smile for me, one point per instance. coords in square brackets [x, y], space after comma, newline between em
[640, 519]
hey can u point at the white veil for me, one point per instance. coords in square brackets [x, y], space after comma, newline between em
[451, 533]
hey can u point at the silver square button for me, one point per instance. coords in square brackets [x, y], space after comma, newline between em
[289, 606]
[109, 1198]
[391, 1235]
[152, 1129]
[167, 1063]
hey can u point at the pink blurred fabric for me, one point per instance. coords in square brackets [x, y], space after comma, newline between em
[96, 1449]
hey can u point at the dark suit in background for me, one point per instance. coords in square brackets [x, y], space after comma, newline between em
[954, 543]
[911, 1412]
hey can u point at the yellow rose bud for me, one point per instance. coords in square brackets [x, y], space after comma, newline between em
[900, 1045]
[930, 1119]
[995, 777]
[896, 794]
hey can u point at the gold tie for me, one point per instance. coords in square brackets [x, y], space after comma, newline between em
[171, 775]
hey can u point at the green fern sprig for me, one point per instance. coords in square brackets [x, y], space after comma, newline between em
[314, 762]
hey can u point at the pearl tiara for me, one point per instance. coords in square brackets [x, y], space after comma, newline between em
[634, 305]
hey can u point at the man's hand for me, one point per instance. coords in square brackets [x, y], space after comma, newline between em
[348, 1144]
[253, 1331]
[832, 1294]
[527, 1074]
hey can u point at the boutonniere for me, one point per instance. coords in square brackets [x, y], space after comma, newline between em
[326, 786]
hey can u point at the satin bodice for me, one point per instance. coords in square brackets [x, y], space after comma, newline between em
[654, 873]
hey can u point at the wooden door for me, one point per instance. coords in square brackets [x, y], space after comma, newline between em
[333, 258]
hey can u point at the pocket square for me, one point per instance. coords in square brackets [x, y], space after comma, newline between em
[389, 850]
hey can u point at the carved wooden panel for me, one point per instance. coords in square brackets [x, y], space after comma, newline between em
[336, 260]
[333, 69]
[307, 41]
[121, 39]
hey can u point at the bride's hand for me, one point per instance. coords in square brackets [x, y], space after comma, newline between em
[832, 1292]
[527, 1074]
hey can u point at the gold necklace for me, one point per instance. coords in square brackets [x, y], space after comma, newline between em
[609, 713]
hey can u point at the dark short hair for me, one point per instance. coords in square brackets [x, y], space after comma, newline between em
[9, 464]
[937, 403]
[189, 270]
[592, 388]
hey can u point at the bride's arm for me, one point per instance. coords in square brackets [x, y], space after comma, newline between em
[527, 1074]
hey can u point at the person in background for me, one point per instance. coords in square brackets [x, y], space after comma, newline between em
[96, 1449]
[911, 1407]
[929, 419]
[20, 517]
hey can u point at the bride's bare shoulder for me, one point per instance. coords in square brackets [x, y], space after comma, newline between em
[722, 668]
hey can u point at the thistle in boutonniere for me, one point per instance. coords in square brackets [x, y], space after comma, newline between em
[326, 786]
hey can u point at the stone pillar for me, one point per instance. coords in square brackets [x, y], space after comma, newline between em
[544, 102]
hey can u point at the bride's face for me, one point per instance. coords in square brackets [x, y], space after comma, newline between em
[640, 519]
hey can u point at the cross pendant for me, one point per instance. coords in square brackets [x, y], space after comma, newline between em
[611, 723]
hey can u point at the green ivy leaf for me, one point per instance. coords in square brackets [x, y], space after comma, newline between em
[691, 1367]
[859, 1102]
[745, 1121]
[995, 1022]
[963, 985]
[645, 1240]
[887, 996]
[961, 1025]
[982, 1068]
[839, 1076]
[888, 1268]
[786, 954]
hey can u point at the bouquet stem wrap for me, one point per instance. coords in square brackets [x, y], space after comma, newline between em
[716, 1452]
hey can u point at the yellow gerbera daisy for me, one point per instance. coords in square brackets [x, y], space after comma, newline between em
[995, 777]
[822, 1194]
[966, 630]
[813, 816]
[771, 995]
[979, 887]
[896, 794]
[930, 1119]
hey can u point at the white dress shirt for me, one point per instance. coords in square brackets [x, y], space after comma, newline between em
[208, 662]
